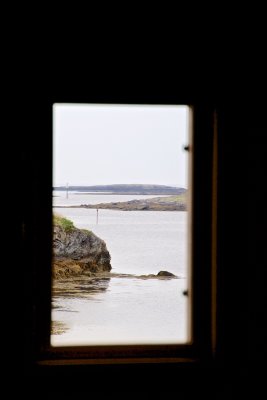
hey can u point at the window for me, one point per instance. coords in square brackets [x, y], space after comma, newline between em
[202, 270]
[128, 168]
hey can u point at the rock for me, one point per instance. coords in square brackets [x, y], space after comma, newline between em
[161, 274]
[65, 268]
[146, 276]
[77, 251]
[165, 273]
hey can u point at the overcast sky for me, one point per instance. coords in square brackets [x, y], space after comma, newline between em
[109, 144]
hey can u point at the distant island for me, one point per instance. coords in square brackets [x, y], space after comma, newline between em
[135, 189]
[169, 203]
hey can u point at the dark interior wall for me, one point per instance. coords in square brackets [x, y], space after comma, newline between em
[242, 235]
[256, 238]
[229, 376]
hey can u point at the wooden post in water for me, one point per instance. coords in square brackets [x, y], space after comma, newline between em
[97, 216]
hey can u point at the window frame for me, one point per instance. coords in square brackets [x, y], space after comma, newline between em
[203, 239]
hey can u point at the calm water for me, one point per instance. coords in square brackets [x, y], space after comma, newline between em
[126, 310]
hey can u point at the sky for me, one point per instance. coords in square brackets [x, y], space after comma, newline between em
[97, 144]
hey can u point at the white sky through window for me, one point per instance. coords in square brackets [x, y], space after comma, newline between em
[114, 144]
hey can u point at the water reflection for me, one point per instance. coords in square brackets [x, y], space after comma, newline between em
[81, 287]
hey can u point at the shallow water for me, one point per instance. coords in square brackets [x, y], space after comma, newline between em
[127, 310]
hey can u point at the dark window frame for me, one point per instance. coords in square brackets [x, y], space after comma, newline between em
[37, 240]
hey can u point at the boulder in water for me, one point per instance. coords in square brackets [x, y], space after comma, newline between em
[165, 273]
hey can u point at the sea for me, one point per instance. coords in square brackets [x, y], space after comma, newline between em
[125, 310]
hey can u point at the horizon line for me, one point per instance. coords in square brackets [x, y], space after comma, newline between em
[118, 184]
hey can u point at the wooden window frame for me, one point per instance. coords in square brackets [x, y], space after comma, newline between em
[37, 244]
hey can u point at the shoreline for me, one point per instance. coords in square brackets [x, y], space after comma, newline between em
[108, 275]
[121, 209]
[166, 203]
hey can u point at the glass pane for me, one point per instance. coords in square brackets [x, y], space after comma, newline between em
[120, 267]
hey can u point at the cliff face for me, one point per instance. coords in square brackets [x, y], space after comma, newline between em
[78, 251]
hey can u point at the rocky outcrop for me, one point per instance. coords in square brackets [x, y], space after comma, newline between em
[138, 205]
[77, 251]
[160, 275]
[169, 203]
[165, 273]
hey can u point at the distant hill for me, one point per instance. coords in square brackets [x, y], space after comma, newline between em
[127, 189]
[168, 203]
